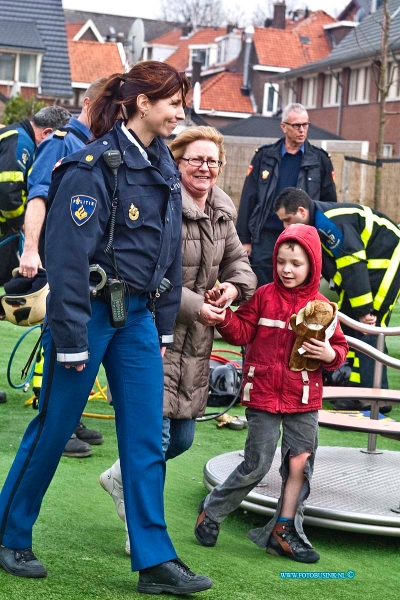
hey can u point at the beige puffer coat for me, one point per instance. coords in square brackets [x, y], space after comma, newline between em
[211, 251]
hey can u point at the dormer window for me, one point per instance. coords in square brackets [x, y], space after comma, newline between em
[19, 67]
[200, 54]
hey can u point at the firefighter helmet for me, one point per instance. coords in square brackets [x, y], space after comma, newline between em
[24, 301]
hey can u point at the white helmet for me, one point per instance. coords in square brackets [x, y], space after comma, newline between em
[24, 302]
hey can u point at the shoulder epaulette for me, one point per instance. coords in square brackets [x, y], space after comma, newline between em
[322, 150]
[60, 134]
[91, 154]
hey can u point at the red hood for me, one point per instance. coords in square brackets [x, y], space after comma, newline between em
[308, 238]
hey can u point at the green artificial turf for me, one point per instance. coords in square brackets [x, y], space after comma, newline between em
[81, 540]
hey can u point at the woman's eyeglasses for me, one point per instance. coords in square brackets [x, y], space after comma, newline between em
[198, 162]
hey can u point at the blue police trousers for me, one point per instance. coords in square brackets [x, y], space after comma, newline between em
[133, 364]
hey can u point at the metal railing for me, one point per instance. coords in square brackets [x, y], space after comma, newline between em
[377, 354]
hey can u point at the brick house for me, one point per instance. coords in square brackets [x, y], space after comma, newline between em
[33, 50]
[345, 97]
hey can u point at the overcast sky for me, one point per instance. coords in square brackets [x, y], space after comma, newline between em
[151, 9]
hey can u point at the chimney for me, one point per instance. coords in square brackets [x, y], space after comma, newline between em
[196, 71]
[279, 19]
[248, 41]
[230, 27]
[186, 30]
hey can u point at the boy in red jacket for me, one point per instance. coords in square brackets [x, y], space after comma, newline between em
[274, 397]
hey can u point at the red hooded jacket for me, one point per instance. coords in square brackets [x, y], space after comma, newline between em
[262, 324]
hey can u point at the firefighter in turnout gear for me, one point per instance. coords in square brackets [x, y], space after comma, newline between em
[361, 260]
[18, 143]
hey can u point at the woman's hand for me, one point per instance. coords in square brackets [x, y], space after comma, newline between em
[77, 367]
[222, 295]
[322, 351]
[211, 315]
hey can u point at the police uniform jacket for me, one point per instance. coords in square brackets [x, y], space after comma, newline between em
[263, 325]
[211, 251]
[146, 238]
[361, 255]
[57, 145]
[17, 147]
[258, 194]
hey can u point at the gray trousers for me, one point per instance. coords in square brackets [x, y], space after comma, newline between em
[299, 435]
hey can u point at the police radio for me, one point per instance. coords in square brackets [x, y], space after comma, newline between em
[115, 296]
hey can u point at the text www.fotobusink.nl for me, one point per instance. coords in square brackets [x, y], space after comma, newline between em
[318, 575]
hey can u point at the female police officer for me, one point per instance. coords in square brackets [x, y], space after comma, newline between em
[117, 204]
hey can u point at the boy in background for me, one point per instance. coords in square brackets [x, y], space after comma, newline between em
[274, 396]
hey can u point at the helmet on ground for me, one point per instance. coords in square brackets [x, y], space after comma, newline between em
[224, 384]
[24, 301]
[338, 377]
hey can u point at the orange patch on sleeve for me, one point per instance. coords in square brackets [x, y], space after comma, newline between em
[249, 170]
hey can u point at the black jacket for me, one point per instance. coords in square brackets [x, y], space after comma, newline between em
[258, 194]
[361, 255]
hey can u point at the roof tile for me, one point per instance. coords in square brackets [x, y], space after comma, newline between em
[92, 60]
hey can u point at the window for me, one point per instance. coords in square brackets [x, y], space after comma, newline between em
[19, 67]
[27, 68]
[270, 100]
[331, 90]
[7, 66]
[289, 94]
[394, 78]
[387, 150]
[359, 85]
[200, 54]
[309, 93]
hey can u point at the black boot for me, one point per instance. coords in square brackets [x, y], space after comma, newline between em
[75, 448]
[90, 436]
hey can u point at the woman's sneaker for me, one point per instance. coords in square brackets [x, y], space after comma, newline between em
[285, 541]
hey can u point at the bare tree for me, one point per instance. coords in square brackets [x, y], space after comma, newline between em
[207, 13]
[384, 77]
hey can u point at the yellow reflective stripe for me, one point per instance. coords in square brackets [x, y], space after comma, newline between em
[340, 300]
[12, 214]
[337, 278]
[7, 134]
[356, 362]
[350, 354]
[339, 212]
[350, 259]
[326, 249]
[368, 226]
[361, 300]
[382, 222]
[387, 278]
[7, 176]
[355, 377]
[379, 263]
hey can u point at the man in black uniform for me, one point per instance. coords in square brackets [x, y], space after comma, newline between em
[291, 161]
[361, 259]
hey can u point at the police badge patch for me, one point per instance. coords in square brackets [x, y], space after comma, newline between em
[82, 208]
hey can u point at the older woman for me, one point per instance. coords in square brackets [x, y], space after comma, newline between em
[211, 252]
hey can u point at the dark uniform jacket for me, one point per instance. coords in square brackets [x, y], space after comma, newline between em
[361, 255]
[17, 147]
[258, 194]
[147, 237]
